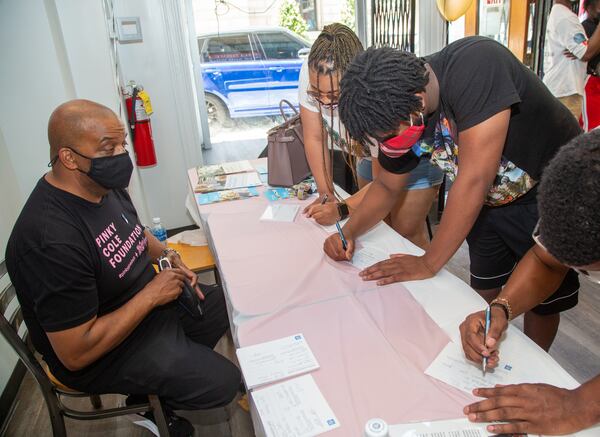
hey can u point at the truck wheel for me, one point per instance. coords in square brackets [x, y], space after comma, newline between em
[218, 115]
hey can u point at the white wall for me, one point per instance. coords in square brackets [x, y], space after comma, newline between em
[11, 196]
[162, 65]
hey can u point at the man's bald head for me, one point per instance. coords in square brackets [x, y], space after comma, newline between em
[73, 120]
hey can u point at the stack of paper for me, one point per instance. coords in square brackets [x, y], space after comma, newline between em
[295, 408]
[225, 195]
[275, 360]
[225, 168]
[226, 176]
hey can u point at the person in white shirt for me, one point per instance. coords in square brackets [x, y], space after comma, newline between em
[565, 76]
[318, 90]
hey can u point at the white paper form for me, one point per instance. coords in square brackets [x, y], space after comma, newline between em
[367, 256]
[242, 180]
[440, 428]
[280, 212]
[452, 367]
[274, 360]
[237, 167]
[295, 408]
[332, 229]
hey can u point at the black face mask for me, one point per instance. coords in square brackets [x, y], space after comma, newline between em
[110, 172]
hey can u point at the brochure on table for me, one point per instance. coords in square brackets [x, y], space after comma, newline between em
[295, 408]
[276, 360]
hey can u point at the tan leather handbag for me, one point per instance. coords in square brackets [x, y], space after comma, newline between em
[286, 158]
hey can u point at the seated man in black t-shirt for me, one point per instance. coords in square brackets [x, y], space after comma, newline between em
[472, 106]
[81, 264]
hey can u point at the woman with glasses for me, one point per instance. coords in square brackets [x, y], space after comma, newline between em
[567, 236]
[328, 146]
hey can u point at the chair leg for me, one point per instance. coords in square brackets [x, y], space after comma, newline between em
[217, 276]
[96, 401]
[57, 420]
[159, 415]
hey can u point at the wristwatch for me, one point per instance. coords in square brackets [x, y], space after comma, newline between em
[343, 210]
[169, 252]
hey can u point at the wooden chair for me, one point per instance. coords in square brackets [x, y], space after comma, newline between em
[14, 331]
[197, 258]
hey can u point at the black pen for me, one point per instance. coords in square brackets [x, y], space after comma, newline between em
[325, 197]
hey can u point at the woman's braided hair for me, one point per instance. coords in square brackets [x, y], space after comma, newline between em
[378, 91]
[334, 49]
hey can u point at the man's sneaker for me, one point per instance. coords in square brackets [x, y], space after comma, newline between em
[178, 426]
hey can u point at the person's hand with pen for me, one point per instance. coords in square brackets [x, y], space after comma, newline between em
[338, 249]
[472, 333]
[324, 210]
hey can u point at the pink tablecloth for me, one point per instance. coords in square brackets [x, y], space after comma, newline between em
[366, 372]
[372, 343]
[268, 266]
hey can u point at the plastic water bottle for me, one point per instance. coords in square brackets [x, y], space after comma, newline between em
[158, 230]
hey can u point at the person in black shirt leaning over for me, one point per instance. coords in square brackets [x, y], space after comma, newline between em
[472, 105]
[81, 264]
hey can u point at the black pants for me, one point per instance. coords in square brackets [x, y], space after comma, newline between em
[173, 358]
[499, 239]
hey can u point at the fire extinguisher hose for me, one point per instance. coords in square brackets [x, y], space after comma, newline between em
[133, 114]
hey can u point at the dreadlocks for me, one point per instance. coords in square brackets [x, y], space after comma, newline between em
[330, 56]
[378, 91]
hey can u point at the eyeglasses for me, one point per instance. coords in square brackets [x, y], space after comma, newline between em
[315, 98]
[591, 276]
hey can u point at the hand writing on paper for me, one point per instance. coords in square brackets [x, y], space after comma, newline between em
[335, 250]
[530, 408]
[398, 268]
[319, 201]
[325, 215]
[472, 333]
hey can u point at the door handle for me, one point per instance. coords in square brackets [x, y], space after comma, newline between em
[276, 69]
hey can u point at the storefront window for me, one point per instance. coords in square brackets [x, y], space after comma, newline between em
[493, 19]
[456, 29]
[307, 8]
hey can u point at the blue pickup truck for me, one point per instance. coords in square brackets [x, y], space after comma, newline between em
[247, 73]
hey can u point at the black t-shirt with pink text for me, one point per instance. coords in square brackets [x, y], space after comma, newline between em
[70, 260]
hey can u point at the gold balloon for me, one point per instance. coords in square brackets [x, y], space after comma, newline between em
[453, 9]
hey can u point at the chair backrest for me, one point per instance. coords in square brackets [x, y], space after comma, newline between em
[14, 330]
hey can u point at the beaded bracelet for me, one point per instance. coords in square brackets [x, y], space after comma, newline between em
[505, 305]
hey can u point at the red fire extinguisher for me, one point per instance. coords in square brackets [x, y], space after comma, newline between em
[141, 129]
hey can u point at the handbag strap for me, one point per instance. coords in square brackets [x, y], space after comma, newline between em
[287, 102]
